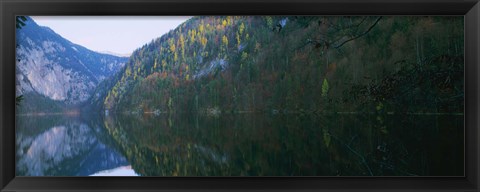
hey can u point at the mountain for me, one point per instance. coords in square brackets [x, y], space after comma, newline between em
[296, 64]
[53, 71]
[116, 54]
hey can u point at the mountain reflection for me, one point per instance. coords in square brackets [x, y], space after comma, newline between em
[62, 146]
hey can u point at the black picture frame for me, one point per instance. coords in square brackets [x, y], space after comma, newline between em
[10, 8]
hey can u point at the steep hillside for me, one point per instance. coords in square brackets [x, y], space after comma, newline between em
[297, 64]
[52, 71]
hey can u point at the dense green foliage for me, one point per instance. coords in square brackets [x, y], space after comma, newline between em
[293, 64]
[37, 103]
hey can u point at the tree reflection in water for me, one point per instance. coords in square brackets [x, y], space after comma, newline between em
[289, 145]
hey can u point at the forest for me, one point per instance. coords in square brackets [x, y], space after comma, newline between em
[261, 96]
[296, 64]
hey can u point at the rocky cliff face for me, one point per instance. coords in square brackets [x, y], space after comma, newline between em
[53, 67]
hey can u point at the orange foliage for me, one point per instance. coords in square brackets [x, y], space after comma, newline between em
[332, 67]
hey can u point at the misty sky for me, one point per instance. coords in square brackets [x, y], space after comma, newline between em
[116, 34]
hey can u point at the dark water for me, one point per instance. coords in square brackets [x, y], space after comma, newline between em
[242, 145]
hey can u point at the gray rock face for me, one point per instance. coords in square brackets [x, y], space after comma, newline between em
[57, 68]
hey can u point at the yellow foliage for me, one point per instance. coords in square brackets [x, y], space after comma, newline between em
[164, 63]
[155, 65]
[238, 38]
[201, 28]
[241, 28]
[225, 40]
[224, 23]
[204, 42]
[181, 41]
[172, 47]
[192, 35]
[229, 20]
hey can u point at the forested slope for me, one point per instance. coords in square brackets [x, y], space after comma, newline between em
[297, 64]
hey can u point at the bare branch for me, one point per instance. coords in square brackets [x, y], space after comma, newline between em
[358, 36]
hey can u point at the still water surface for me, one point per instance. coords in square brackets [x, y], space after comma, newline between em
[240, 145]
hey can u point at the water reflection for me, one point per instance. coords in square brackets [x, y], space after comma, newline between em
[240, 145]
[62, 146]
[119, 171]
[290, 145]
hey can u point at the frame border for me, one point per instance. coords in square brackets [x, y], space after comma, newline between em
[9, 8]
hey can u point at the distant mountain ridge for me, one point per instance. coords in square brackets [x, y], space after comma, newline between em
[115, 54]
[52, 67]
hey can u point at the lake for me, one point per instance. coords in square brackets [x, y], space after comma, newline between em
[248, 144]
